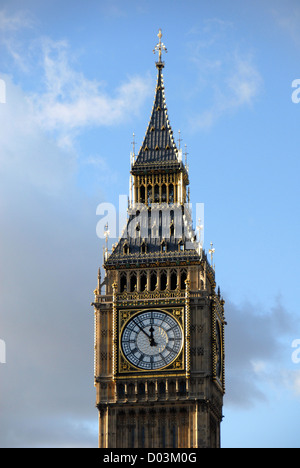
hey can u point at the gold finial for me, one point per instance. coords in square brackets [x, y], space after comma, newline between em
[185, 154]
[99, 280]
[133, 145]
[106, 235]
[200, 229]
[160, 47]
[211, 252]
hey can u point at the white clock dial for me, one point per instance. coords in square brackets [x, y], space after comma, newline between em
[152, 340]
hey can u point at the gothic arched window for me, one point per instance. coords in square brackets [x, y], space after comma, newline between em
[182, 388]
[133, 282]
[149, 194]
[164, 193]
[121, 390]
[156, 194]
[143, 281]
[153, 281]
[142, 193]
[141, 389]
[183, 278]
[173, 280]
[163, 281]
[123, 282]
[151, 389]
[171, 193]
[162, 388]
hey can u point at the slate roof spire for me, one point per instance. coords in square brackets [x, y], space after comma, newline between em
[159, 147]
[159, 227]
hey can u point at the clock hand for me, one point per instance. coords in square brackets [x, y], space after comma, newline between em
[152, 340]
[148, 336]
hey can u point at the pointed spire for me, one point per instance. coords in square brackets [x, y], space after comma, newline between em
[159, 146]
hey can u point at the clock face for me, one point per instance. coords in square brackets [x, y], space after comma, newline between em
[152, 340]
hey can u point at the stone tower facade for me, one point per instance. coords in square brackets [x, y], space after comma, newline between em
[159, 324]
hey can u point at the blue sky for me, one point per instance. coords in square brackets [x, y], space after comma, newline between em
[80, 79]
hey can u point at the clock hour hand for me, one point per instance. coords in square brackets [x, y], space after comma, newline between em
[152, 340]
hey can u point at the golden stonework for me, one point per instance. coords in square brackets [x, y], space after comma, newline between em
[159, 346]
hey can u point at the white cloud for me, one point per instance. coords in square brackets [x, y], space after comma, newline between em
[226, 76]
[11, 25]
[296, 382]
[291, 379]
[258, 366]
[14, 22]
[245, 83]
[67, 102]
[26, 152]
[240, 85]
[71, 101]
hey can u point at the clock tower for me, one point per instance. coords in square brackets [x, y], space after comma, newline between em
[159, 324]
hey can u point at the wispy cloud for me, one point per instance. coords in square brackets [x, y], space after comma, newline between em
[238, 89]
[67, 101]
[40, 130]
[70, 101]
[26, 151]
[11, 25]
[114, 9]
[287, 17]
[226, 74]
[15, 22]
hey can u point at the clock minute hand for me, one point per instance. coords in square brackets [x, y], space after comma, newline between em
[148, 336]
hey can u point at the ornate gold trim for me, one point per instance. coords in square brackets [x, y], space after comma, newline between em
[115, 336]
[187, 329]
[218, 316]
[178, 364]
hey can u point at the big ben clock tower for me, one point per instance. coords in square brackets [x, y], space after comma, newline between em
[159, 325]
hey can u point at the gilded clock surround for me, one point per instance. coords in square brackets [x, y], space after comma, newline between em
[162, 268]
[125, 367]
